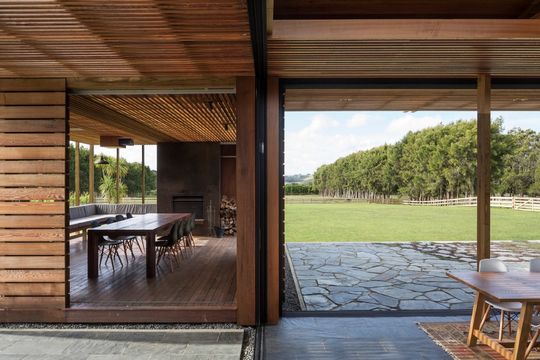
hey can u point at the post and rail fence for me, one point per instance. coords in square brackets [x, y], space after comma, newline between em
[508, 202]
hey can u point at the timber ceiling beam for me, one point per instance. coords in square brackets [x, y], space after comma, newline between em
[88, 108]
[148, 84]
[408, 29]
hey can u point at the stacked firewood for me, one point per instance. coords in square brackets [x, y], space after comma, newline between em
[227, 213]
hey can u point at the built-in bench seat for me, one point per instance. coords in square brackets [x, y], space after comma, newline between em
[81, 217]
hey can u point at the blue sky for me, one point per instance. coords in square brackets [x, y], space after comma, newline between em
[316, 138]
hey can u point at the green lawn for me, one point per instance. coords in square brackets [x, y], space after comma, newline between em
[375, 222]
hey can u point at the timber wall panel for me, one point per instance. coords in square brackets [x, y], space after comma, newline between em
[33, 204]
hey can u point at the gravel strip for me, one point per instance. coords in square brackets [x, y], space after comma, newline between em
[292, 302]
[248, 347]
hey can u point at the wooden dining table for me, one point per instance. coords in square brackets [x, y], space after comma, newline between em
[147, 225]
[518, 286]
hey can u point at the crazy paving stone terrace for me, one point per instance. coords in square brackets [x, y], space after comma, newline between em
[393, 276]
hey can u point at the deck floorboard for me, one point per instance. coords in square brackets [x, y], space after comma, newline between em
[204, 278]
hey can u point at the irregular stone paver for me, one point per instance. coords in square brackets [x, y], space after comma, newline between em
[78, 344]
[394, 276]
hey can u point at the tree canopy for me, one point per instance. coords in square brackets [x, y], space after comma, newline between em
[436, 163]
[130, 175]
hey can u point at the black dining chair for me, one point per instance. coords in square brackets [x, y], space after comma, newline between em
[167, 245]
[188, 232]
[107, 246]
[127, 240]
[139, 239]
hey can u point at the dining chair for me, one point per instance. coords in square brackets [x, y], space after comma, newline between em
[127, 240]
[107, 245]
[190, 226]
[510, 309]
[182, 228]
[139, 239]
[166, 246]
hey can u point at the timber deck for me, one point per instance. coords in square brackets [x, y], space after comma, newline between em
[205, 279]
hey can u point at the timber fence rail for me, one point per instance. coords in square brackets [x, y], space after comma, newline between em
[508, 202]
[313, 199]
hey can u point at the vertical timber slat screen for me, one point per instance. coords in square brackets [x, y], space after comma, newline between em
[33, 204]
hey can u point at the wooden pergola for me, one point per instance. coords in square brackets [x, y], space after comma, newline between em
[372, 55]
[166, 71]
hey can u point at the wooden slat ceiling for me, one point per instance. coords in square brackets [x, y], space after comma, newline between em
[406, 99]
[166, 117]
[386, 9]
[128, 38]
[87, 130]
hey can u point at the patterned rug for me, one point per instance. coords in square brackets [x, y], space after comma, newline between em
[452, 337]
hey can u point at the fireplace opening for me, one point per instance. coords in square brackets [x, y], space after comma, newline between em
[193, 204]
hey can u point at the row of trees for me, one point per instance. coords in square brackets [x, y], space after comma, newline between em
[436, 163]
[299, 189]
[105, 176]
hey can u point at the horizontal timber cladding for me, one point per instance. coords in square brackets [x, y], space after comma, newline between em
[33, 204]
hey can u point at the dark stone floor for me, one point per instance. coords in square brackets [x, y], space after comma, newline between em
[332, 338]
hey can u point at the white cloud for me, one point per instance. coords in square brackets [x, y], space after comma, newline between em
[412, 122]
[322, 141]
[358, 120]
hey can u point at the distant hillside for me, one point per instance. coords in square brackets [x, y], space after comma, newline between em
[298, 178]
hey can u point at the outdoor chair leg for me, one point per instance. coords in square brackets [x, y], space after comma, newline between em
[171, 260]
[129, 245]
[158, 257]
[141, 249]
[101, 256]
[179, 247]
[509, 324]
[109, 254]
[125, 246]
[112, 257]
[176, 255]
[117, 247]
[187, 244]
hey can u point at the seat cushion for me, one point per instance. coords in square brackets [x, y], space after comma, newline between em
[86, 222]
[505, 306]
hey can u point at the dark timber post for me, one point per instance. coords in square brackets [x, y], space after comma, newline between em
[77, 174]
[143, 180]
[118, 175]
[91, 193]
[483, 166]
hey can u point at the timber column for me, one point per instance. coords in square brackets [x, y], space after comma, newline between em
[245, 200]
[483, 166]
